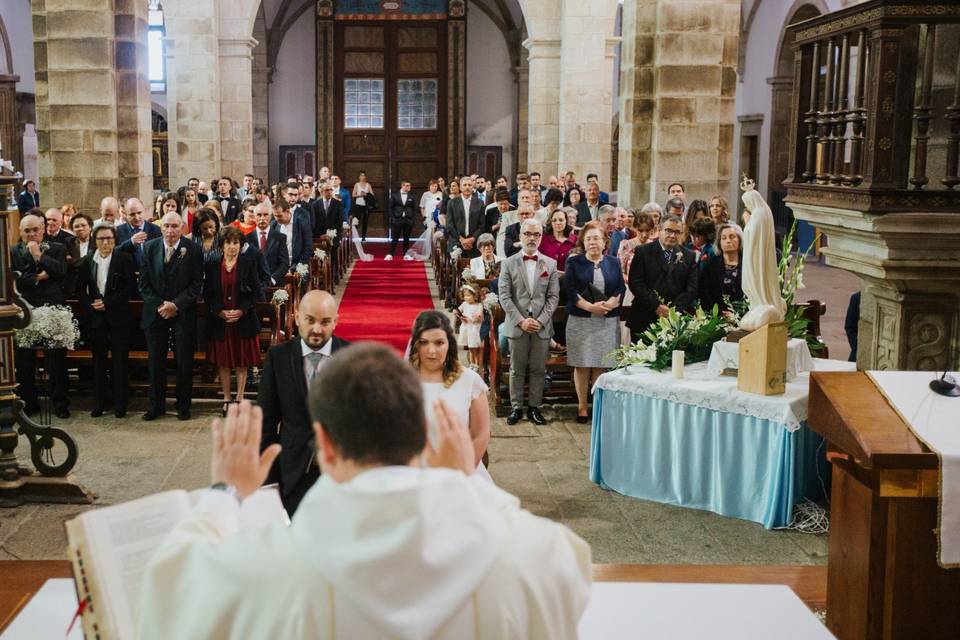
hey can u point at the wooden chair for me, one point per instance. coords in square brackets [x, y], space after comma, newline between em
[813, 310]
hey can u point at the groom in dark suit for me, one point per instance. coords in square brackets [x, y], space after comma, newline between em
[402, 217]
[170, 283]
[282, 395]
[662, 273]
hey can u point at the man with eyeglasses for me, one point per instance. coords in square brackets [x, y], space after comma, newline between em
[662, 274]
[42, 266]
[529, 293]
[107, 281]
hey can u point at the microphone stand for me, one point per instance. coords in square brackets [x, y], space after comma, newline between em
[945, 385]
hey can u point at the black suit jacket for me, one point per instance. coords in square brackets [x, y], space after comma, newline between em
[72, 256]
[457, 220]
[53, 261]
[652, 277]
[27, 201]
[302, 239]
[583, 213]
[276, 259]
[187, 274]
[248, 292]
[121, 285]
[125, 232]
[282, 395]
[401, 213]
[324, 221]
[511, 235]
[231, 208]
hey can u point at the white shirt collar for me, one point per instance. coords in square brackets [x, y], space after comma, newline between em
[100, 260]
[170, 247]
[326, 350]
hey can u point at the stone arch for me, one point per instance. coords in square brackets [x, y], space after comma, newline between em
[7, 53]
[781, 96]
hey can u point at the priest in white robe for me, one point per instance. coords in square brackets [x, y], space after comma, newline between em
[396, 540]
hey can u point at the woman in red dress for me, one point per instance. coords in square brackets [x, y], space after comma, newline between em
[231, 289]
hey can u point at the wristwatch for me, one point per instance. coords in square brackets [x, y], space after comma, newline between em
[229, 489]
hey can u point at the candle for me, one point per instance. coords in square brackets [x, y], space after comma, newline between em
[678, 357]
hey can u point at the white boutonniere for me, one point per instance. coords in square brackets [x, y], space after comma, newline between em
[44, 246]
[678, 258]
[183, 251]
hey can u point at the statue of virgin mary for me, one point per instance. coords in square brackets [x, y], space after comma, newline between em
[761, 278]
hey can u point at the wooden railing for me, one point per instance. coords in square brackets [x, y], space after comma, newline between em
[876, 108]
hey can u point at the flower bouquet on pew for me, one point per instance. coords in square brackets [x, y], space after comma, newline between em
[692, 333]
[280, 297]
[51, 327]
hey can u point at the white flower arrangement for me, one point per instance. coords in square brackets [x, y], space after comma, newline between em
[438, 236]
[280, 296]
[456, 253]
[490, 301]
[332, 234]
[7, 164]
[302, 270]
[320, 254]
[346, 226]
[467, 274]
[51, 327]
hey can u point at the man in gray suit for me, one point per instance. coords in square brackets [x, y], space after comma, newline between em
[529, 293]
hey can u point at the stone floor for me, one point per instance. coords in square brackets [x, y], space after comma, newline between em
[124, 459]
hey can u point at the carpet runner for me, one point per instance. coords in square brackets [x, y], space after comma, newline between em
[383, 299]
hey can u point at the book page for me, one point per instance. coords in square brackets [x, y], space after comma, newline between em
[122, 539]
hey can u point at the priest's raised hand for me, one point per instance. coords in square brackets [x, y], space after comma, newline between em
[236, 461]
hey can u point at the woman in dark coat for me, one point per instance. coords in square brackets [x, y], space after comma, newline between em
[720, 280]
[231, 288]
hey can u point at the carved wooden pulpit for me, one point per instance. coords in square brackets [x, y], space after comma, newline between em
[883, 580]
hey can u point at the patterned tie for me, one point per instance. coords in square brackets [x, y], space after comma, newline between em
[169, 254]
[666, 254]
[263, 241]
[314, 360]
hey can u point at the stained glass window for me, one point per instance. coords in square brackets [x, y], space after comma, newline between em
[417, 104]
[363, 103]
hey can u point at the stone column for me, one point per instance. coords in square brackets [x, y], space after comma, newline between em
[261, 104]
[586, 87]
[522, 74]
[193, 75]
[678, 82]
[236, 106]
[134, 130]
[11, 139]
[910, 305]
[76, 89]
[543, 114]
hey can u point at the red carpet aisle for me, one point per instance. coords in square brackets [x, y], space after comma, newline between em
[383, 299]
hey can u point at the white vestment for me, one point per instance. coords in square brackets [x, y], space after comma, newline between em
[397, 552]
[760, 276]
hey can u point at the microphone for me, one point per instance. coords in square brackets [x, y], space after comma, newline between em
[945, 385]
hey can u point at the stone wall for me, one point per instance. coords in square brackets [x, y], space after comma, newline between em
[261, 101]
[678, 87]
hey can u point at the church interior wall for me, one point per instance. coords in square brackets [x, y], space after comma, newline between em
[760, 58]
[491, 89]
[292, 98]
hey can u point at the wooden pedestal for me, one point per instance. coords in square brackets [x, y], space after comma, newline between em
[883, 580]
[763, 360]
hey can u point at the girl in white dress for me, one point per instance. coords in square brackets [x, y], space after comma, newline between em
[433, 353]
[470, 313]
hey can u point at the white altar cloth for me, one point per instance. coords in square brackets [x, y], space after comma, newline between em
[935, 420]
[699, 387]
[726, 355]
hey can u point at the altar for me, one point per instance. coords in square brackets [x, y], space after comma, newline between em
[699, 442]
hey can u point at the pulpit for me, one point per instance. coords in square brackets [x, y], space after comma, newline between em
[883, 580]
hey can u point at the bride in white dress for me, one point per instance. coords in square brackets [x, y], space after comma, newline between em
[433, 353]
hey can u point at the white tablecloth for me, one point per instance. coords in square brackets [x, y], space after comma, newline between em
[726, 355]
[699, 387]
[934, 420]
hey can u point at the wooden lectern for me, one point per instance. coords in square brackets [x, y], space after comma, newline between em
[883, 580]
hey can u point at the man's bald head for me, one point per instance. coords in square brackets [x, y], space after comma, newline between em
[109, 209]
[134, 210]
[317, 318]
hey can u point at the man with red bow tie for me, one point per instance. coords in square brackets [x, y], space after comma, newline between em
[529, 293]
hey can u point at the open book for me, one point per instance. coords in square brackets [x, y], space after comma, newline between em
[110, 548]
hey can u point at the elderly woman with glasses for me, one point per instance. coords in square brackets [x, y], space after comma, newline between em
[105, 284]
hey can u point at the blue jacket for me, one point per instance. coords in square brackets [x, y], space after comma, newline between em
[347, 202]
[578, 273]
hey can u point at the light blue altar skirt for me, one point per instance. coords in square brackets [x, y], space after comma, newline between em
[681, 454]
